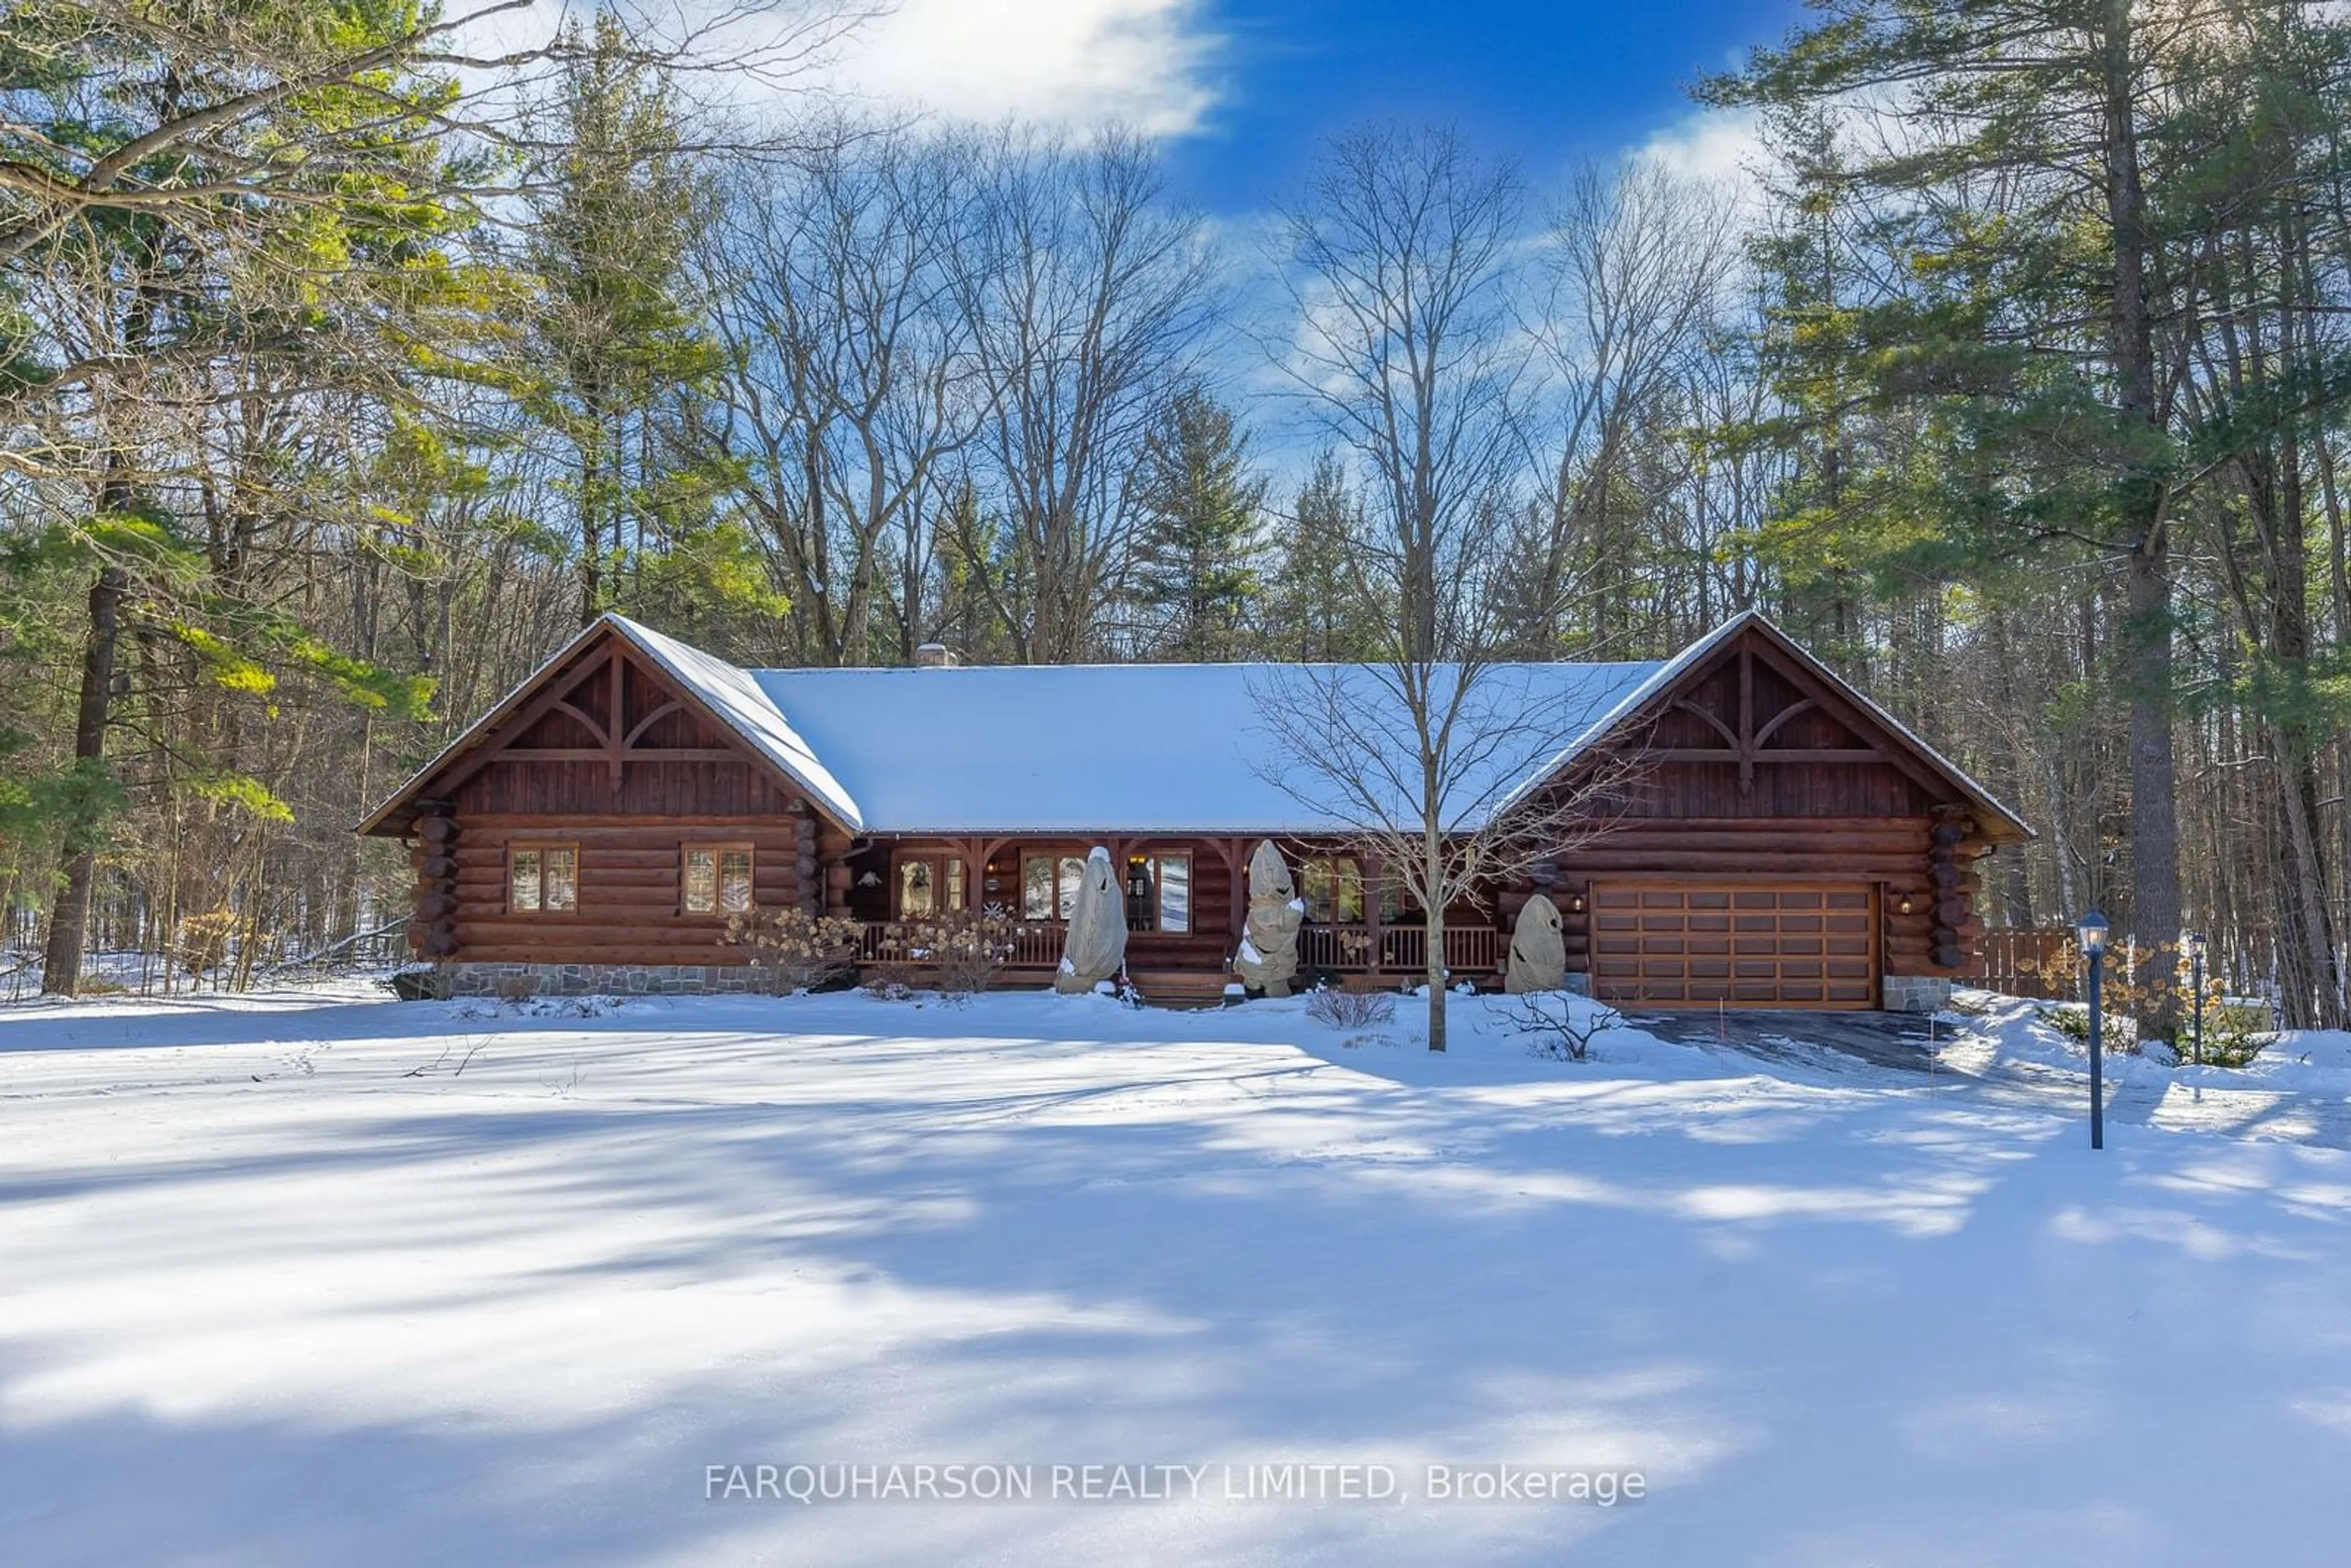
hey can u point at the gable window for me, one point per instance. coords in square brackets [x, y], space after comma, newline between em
[1333, 887]
[542, 879]
[1048, 886]
[717, 879]
[1159, 893]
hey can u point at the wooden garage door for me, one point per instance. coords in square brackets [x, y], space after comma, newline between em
[1700, 944]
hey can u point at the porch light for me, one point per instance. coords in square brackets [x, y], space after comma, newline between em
[2092, 930]
[1575, 903]
[1905, 905]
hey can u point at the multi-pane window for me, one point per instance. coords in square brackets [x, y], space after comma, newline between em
[717, 879]
[542, 879]
[1333, 887]
[1048, 886]
[1159, 893]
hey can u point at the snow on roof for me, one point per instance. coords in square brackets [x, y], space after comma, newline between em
[1143, 747]
[735, 696]
[1138, 748]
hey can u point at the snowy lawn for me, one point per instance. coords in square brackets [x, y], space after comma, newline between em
[280, 1284]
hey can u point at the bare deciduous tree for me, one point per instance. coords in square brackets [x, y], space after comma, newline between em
[851, 381]
[1088, 296]
[1405, 348]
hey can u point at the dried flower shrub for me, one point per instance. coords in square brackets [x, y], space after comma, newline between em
[793, 950]
[954, 953]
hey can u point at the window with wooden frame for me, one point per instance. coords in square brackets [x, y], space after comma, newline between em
[542, 879]
[1159, 892]
[717, 879]
[1332, 887]
[1048, 886]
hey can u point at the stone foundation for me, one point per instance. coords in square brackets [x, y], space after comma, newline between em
[1916, 993]
[516, 980]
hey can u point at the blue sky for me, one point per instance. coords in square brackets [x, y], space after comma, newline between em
[1241, 92]
[1547, 84]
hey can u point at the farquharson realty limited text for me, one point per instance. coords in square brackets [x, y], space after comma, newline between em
[1292, 1481]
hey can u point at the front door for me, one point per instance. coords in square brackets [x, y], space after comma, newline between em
[928, 885]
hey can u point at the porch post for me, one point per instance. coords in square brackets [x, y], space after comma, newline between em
[1237, 918]
[1375, 869]
[975, 875]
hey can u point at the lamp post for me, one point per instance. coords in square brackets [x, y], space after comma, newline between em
[2092, 929]
[2196, 986]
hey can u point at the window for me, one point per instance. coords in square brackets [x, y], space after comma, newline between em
[1159, 893]
[1333, 889]
[1048, 886]
[542, 879]
[717, 879]
[1175, 892]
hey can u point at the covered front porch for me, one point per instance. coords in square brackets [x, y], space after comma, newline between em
[1186, 905]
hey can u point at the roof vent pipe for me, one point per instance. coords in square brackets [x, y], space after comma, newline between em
[936, 656]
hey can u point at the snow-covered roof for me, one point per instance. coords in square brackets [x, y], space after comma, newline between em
[1173, 748]
[1137, 748]
[734, 695]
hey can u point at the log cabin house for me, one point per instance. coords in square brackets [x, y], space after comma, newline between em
[1784, 842]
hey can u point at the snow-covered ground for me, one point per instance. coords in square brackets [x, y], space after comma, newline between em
[317, 1278]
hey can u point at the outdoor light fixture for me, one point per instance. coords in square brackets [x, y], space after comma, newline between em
[2195, 942]
[2092, 929]
[1575, 901]
[1905, 905]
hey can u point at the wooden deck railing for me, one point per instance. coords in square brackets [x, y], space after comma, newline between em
[1470, 950]
[1036, 944]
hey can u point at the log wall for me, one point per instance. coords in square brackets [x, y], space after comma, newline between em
[631, 887]
[1893, 853]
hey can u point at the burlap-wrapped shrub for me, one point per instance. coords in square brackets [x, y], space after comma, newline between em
[1538, 951]
[1268, 959]
[1096, 949]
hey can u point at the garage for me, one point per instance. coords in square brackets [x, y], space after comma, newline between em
[1694, 944]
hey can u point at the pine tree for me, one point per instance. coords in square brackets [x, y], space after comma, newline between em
[618, 351]
[1196, 579]
[1314, 610]
[2021, 312]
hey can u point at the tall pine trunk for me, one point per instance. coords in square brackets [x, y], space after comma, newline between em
[69, 916]
[2155, 817]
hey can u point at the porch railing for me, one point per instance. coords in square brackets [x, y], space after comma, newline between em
[1036, 945]
[1398, 949]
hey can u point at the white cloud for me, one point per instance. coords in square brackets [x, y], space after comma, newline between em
[1712, 144]
[1142, 63]
[1149, 64]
